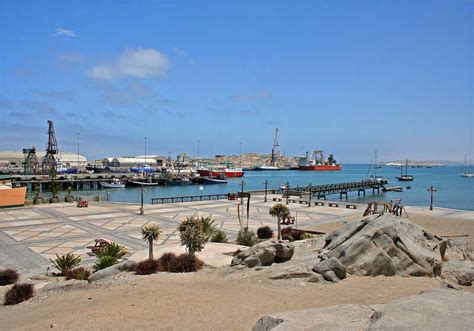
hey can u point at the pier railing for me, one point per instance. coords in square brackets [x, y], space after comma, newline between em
[190, 198]
[323, 190]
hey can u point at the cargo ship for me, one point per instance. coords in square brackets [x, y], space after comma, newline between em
[11, 196]
[315, 161]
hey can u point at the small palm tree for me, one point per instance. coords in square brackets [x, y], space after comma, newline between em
[280, 212]
[151, 233]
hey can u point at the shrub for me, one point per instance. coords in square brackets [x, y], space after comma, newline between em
[219, 237]
[291, 234]
[103, 262]
[66, 262]
[307, 236]
[246, 238]
[192, 235]
[19, 293]
[78, 273]
[113, 249]
[8, 276]
[166, 260]
[186, 263]
[265, 232]
[147, 267]
[208, 227]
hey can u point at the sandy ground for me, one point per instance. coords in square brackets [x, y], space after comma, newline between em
[197, 301]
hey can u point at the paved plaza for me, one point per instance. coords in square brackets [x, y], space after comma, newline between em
[30, 236]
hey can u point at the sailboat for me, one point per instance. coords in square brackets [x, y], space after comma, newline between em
[467, 174]
[404, 177]
[376, 166]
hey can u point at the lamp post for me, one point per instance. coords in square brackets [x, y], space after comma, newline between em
[431, 190]
[142, 211]
[310, 194]
[266, 186]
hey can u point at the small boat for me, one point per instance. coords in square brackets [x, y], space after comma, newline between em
[142, 169]
[11, 196]
[466, 173]
[141, 183]
[405, 177]
[115, 183]
[221, 179]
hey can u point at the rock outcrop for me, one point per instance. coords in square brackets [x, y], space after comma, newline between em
[383, 245]
[264, 254]
[440, 309]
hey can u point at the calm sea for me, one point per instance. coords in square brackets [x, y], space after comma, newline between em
[454, 191]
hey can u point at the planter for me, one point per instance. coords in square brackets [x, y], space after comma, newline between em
[68, 198]
[53, 200]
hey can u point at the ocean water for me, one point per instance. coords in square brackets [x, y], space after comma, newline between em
[454, 191]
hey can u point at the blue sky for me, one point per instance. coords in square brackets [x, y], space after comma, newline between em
[347, 77]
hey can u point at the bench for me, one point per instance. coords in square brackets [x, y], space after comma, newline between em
[82, 204]
[292, 200]
[277, 199]
[351, 206]
[333, 204]
[319, 203]
[303, 202]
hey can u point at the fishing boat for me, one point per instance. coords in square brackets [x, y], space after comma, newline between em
[228, 172]
[220, 179]
[404, 177]
[11, 196]
[179, 181]
[141, 182]
[97, 168]
[114, 183]
[142, 169]
[467, 174]
[315, 161]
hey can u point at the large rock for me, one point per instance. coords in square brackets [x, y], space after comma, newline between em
[384, 245]
[127, 265]
[440, 309]
[264, 254]
[331, 269]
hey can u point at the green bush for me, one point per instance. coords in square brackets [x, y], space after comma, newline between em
[147, 267]
[219, 237]
[307, 236]
[208, 227]
[103, 262]
[79, 273]
[192, 234]
[113, 249]
[66, 262]
[265, 232]
[19, 293]
[8, 276]
[246, 238]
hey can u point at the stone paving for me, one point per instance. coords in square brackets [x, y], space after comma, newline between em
[30, 236]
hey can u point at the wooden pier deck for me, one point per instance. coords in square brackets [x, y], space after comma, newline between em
[190, 198]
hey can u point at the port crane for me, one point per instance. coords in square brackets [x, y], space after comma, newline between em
[49, 161]
[275, 152]
[31, 163]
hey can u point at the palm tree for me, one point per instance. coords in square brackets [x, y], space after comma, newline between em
[151, 233]
[280, 212]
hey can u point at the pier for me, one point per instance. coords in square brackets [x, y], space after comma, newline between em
[190, 198]
[321, 191]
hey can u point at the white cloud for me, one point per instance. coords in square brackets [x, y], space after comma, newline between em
[60, 32]
[138, 63]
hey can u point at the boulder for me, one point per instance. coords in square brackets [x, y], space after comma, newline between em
[264, 254]
[384, 245]
[127, 265]
[332, 268]
[440, 309]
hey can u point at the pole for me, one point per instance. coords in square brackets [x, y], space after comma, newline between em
[266, 186]
[78, 152]
[142, 211]
[240, 154]
[287, 188]
[145, 150]
[309, 201]
[431, 190]
[198, 150]
[242, 193]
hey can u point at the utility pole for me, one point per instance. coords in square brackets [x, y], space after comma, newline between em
[78, 152]
[240, 155]
[142, 211]
[287, 189]
[431, 190]
[310, 194]
[266, 187]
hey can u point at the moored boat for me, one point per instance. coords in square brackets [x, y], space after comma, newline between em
[404, 177]
[467, 174]
[266, 167]
[115, 183]
[220, 179]
[315, 161]
[139, 182]
[11, 196]
[228, 172]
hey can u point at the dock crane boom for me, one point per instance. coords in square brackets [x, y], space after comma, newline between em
[275, 148]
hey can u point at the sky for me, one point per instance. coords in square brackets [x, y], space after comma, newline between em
[347, 77]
